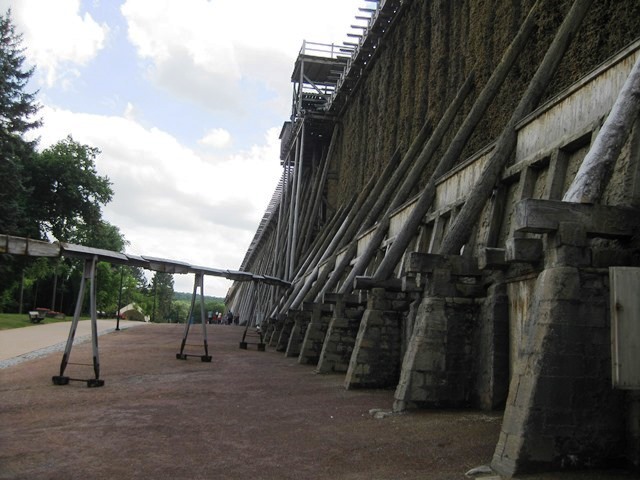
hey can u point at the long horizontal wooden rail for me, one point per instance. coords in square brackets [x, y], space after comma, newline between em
[38, 248]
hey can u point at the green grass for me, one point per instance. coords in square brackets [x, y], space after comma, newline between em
[19, 320]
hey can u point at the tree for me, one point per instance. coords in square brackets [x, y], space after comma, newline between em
[17, 111]
[162, 291]
[70, 193]
[17, 106]
[214, 306]
[180, 311]
[55, 192]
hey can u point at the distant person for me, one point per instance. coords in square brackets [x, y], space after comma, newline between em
[229, 318]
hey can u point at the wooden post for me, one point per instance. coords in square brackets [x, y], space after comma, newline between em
[278, 226]
[282, 264]
[459, 232]
[347, 226]
[596, 168]
[287, 196]
[486, 96]
[371, 206]
[410, 180]
[303, 217]
[296, 200]
[308, 217]
[352, 223]
[330, 236]
[319, 186]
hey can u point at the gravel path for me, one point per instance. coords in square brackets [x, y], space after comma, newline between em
[247, 414]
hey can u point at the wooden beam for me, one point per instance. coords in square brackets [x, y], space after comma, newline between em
[407, 176]
[80, 251]
[136, 261]
[460, 230]
[544, 216]
[349, 300]
[525, 250]
[367, 283]
[492, 259]
[418, 262]
[597, 167]
[214, 272]
[26, 246]
[166, 266]
[269, 280]
[238, 276]
[459, 142]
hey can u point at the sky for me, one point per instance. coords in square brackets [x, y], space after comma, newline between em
[185, 100]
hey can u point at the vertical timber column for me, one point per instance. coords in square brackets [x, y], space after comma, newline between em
[296, 208]
[301, 81]
[279, 228]
[290, 198]
[243, 310]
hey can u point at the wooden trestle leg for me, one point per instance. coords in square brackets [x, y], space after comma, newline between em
[198, 283]
[88, 274]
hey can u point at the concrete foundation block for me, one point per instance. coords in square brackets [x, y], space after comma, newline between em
[559, 413]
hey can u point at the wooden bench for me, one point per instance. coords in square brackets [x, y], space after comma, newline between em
[36, 317]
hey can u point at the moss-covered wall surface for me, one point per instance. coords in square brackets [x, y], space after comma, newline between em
[429, 52]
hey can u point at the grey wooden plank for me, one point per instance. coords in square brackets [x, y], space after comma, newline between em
[544, 216]
[213, 272]
[81, 251]
[167, 266]
[26, 246]
[239, 276]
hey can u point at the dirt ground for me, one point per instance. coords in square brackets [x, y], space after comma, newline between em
[247, 414]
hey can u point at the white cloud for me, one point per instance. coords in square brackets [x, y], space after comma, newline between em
[129, 111]
[169, 201]
[59, 38]
[217, 138]
[210, 51]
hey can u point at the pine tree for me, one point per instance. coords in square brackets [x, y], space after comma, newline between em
[17, 107]
[163, 296]
[17, 116]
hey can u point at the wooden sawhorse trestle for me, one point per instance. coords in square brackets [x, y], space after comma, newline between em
[198, 282]
[256, 334]
[37, 248]
[88, 275]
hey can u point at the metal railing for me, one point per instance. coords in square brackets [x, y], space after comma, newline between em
[327, 50]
